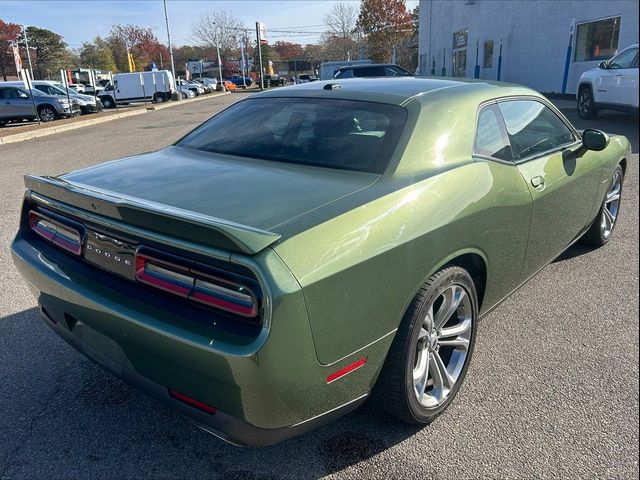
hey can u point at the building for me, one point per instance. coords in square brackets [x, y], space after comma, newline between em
[545, 44]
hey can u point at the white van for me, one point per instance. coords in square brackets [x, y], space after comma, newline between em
[138, 87]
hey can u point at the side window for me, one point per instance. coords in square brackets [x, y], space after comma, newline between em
[2, 97]
[491, 139]
[344, 73]
[625, 59]
[11, 93]
[533, 128]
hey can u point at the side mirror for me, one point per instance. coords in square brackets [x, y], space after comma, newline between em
[23, 95]
[603, 65]
[593, 139]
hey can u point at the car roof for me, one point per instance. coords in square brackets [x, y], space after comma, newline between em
[369, 65]
[400, 90]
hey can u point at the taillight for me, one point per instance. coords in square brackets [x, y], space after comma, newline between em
[64, 235]
[208, 286]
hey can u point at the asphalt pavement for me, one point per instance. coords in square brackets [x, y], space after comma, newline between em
[552, 390]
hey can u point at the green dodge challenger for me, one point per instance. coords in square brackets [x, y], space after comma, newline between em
[263, 282]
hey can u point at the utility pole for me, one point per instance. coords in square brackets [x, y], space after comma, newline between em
[166, 19]
[26, 44]
[259, 45]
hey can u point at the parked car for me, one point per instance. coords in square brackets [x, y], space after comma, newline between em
[328, 69]
[274, 81]
[78, 87]
[613, 85]
[264, 281]
[185, 92]
[227, 86]
[16, 105]
[304, 78]
[372, 70]
[126, 88]
[209, 86]
[240, 81]
[196, 88]
[87, 103]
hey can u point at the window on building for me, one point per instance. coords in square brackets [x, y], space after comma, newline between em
[488, 54]
[597, 40]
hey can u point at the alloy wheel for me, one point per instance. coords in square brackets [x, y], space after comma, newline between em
[47, 114]
[611, 205]
[443, 346]
[584, 102]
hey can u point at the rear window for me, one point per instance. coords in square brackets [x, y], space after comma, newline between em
[343, 134]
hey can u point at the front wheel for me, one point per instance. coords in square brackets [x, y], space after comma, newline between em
[586, 105]
[107, 102]
[430, 354]
[47, 114]
[602, 227]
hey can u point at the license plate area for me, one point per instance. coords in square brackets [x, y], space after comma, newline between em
[111, 254]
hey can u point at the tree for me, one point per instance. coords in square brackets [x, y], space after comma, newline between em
[219, 29]
[288, 50]
[97, 54]
[340, 37]
[50, 52]
[386, 24]
[143, 44]
[8, 33]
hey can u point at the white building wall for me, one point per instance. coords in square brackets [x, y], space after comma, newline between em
[534, 35]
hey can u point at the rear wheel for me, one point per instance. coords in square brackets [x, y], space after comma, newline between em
[430, 354]
[47, 113]
[586, 105]
[602, 227]
[2, 123]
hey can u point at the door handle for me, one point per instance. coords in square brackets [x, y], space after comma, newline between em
[537, 181]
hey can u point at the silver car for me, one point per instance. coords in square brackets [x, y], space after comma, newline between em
[87, 103]
[16, 105]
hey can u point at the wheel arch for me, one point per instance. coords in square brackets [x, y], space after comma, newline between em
[473, 261]
[623, 164]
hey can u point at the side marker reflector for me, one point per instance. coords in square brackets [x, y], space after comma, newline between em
[192, 402]
[348, 369]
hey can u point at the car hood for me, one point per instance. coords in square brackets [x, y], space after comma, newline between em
[257, 193]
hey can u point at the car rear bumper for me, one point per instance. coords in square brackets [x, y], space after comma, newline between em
[263, 392]
[220, 424]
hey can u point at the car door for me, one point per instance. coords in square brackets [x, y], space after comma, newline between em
[618, 83]
[16, 103]
[562, 178]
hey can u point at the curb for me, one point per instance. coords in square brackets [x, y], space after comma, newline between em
[43, 132]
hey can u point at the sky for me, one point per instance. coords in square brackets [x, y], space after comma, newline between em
[82, 20]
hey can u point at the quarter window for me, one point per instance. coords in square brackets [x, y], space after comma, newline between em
[533, 128]
[491, 140]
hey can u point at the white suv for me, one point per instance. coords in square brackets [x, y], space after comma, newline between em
[613, 85]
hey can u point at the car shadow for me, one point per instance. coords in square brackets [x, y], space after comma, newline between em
[575, 250]
[114, 428]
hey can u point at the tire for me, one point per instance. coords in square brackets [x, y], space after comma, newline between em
[602, 228]
[158, 98]
[585, 103]
[107, 102]
[3, 123]
[396, 391]
[47, 113]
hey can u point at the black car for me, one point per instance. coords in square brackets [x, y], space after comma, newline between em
[372, 70]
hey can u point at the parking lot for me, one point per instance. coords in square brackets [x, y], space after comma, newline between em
[552, 389]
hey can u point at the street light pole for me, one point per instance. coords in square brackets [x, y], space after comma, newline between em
[215, 39]
[166, 19]
[26, 44]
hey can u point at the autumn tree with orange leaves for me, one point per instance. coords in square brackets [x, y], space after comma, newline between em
[386, 24]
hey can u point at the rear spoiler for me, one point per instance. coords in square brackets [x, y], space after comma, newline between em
[157, 217]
